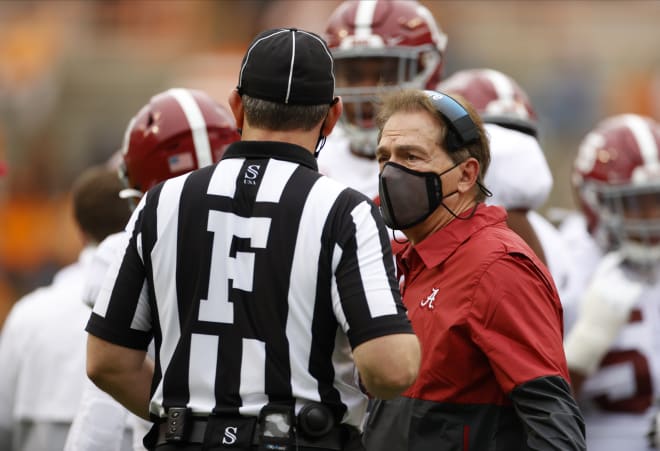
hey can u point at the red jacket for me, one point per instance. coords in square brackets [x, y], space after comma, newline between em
[496, 317]
[488, 317]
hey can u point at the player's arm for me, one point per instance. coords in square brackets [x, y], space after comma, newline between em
[605, 308]
[124, 373]
[388, 365]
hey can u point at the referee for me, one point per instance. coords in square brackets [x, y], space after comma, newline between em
[268, 289]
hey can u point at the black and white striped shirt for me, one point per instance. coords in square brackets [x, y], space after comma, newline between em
[256, 277]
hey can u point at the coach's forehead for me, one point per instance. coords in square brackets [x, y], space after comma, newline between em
[410, 129]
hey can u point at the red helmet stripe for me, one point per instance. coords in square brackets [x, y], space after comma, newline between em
[197, 125]
[364, 17]
[502, 85]
[439, 38]
[645, 139]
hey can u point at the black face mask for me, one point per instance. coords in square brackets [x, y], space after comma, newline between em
[408, 197]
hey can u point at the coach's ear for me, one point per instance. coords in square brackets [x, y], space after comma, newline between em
[236, 105]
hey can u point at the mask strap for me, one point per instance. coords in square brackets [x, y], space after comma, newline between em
[450, 169]
[397, 241]
[484, 190]
[464, 218]
[321, 141]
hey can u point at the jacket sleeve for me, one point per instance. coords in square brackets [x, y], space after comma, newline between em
[550, 416]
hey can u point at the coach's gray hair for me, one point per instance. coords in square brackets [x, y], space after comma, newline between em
[282, 117]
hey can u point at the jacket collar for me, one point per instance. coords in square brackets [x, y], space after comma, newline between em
[438, 246]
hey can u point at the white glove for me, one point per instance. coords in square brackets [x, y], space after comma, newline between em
[605, 308]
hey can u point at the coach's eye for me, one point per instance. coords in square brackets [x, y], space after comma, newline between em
[382, 157]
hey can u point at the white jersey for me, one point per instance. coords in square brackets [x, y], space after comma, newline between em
[101, 423]
[585, 251]
[621, 398]
[561, 264]
[42, 357]
[338, 162]
[100, 261]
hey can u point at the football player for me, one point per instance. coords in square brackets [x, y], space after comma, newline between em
[612, 349]
[377, 46]
[42, 349]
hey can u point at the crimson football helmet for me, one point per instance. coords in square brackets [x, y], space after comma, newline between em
[616, 179]
[179, 130]
[379, 45]
[497, 98]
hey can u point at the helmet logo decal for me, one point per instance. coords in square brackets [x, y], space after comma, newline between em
[182, 162]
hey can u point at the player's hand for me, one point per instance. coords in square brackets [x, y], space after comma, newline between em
[605, 308]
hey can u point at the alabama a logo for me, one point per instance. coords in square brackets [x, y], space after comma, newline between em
[428, 302]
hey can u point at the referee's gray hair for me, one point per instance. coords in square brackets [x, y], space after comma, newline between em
[282, 117]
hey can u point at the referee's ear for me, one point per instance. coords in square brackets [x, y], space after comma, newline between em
[334, 113]
[236, 105]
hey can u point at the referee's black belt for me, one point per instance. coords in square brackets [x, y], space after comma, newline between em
[244, 432]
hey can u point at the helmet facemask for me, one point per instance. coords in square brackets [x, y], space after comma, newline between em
[631, 213]
[616, 177]
[364, 75]
[129, 193]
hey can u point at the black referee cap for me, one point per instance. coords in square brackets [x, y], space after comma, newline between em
[288, 65]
